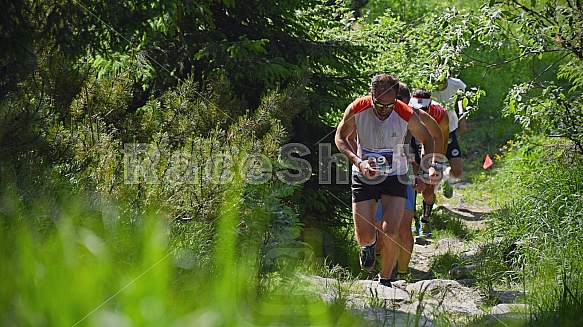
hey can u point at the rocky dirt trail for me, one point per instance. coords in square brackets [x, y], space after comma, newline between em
[419, 301]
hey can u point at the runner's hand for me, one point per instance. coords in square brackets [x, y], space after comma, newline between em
[419, 185]
[435, 176]
[367, 169]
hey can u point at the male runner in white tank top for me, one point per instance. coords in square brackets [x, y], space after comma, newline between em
[379, 123]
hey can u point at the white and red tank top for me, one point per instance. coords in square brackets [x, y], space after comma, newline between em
[433, 108]
[383, 140]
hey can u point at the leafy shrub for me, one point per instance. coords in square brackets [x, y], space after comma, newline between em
[544, 221]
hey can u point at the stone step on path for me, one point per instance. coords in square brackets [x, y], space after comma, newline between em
[418, 303]
[405, 303]
[425, 299]
[415, 304]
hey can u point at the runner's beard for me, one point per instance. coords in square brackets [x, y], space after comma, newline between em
[381, 116]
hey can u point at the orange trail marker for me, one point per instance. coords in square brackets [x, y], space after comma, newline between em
[488, 162]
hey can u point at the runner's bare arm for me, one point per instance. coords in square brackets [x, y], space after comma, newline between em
[346, 135]
[421, 133]
[444, 124]
[352, 141]
[435, 131]
[462, 126]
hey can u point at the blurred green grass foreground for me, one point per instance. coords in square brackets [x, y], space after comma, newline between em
[67, 261]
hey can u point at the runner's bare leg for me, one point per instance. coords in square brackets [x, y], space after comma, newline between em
[393, 207]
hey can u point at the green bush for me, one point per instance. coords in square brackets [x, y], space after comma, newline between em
[541, 229]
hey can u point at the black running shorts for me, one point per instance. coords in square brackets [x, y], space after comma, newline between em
[453, 147]
[363, 189]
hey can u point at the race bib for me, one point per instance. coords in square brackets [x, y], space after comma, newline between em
[382, 158]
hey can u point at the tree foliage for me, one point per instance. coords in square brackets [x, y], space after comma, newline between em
[190, 79]
[259, 44]
[548, 34]
[187, 80]
[82, 78]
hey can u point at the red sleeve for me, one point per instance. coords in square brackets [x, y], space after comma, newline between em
[362, 104]
[403, 110]
[437, 112]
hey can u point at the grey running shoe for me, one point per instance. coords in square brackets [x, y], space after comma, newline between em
[367, 257]
[417, 227]
[425, 228]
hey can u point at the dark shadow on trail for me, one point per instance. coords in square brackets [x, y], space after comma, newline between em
[465, 213]
[415, 275]
[418, 275]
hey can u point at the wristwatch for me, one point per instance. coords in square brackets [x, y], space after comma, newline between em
[436, 165]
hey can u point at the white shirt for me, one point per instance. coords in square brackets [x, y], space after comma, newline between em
[377, 137]
[446, 96]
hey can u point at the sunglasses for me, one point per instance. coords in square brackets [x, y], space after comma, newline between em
[379, 105]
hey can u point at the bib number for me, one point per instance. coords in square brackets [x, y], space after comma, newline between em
[383, 160]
